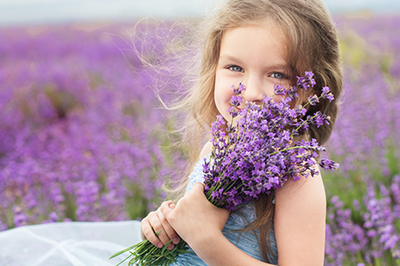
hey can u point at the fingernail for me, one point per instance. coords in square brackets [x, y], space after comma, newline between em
[159, 245]
[170, 247]
[175, 240]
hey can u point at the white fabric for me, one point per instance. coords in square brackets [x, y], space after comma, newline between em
[67, 244]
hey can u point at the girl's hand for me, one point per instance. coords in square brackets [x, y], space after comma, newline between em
[157, 220]
[194, 218]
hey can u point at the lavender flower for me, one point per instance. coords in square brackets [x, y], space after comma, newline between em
[239, 89]
[327, 94]
[313, 100]
[307, 81]
[328, 164]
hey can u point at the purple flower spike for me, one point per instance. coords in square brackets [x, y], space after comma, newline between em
[327, 94]
[279, 89]
[313, 100]
[327, 164]
[239, 89]
[307, 81]
[292, 93]
[236, 100]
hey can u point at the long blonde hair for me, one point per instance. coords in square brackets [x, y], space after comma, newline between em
[312, 46]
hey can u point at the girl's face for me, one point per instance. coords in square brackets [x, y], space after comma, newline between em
[255, 56]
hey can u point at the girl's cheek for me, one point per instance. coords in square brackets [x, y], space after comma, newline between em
[278, 98]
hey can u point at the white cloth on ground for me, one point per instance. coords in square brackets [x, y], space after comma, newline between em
[67, 244]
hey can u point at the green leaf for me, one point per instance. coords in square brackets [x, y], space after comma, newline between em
[125, 250]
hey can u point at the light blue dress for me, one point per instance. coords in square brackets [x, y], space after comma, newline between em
[246, 241]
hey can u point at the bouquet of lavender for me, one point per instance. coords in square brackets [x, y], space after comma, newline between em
[252, 156]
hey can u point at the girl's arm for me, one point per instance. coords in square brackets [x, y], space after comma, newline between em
[300, 215]
[299, 226]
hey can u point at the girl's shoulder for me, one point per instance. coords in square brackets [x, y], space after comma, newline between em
[310, 188]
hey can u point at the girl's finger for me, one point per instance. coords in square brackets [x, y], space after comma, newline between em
[147, 230]
[168, 233]
[155, 223]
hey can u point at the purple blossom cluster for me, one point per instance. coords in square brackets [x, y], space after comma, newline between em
[80, 132]
[368, 232]
[257, 153]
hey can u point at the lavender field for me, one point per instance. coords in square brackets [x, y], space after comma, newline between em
[83, 136]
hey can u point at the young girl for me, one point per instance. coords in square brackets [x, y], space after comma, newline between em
[258, 43]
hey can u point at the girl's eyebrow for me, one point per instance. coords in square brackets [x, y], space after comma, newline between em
[228, 57]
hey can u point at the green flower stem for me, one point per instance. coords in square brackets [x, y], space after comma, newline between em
[145, 253]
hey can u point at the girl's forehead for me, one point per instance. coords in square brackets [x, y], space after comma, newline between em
[261, 35]
[277, 32]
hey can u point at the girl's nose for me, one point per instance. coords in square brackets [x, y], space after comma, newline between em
[254, 90]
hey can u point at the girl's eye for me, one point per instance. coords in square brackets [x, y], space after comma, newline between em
[278, 75]
[235, 68]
